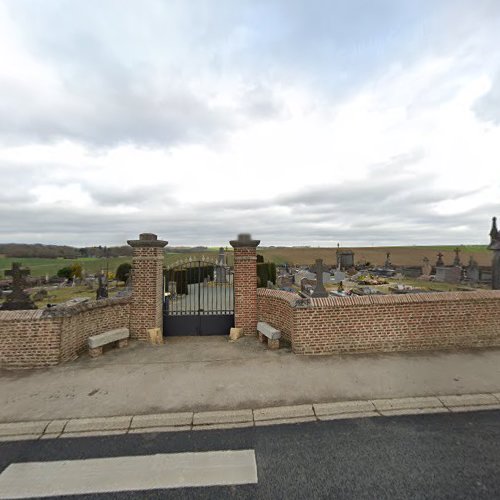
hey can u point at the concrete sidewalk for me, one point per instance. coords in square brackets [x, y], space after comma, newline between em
[210, 373]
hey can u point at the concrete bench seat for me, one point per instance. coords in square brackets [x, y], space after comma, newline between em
[272, 334]
[97, 342]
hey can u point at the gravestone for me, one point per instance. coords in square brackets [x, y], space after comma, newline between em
[18, 299]
[473, 271]
[102, 289]
[448, 274]
[426, 268]
[495, 247]
[319, 289]
[345, 259]
[456, 260]
[439, 261]
[387, 263]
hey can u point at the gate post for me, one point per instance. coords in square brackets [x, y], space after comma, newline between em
[245, 283]
[147, 285]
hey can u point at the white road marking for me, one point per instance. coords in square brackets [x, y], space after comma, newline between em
[104, 475]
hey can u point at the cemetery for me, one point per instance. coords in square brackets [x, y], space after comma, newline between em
[354, 307]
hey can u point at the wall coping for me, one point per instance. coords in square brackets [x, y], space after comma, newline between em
[295, 300]
[55, 312]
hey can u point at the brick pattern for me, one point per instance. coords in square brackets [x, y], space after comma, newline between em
[245, 289]
[46, 337]
[147, 295]
[413, 322]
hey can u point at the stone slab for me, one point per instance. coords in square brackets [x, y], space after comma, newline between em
[18, 428]
[282, 421]
[56, 426]
[222, 417]
[280, 412]
[342, 407]
[403, 403]
[108, 337]
[92, 433]
[162, 420]
[497, 395]
[146, 430]
[52, 435]
[356, 414]
[460, 409]
[413, 411]
[269, 331]
[211, 427]
[468, 400]
[20, 437]
[97, 424]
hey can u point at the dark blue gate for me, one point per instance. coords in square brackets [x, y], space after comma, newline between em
[199, 298]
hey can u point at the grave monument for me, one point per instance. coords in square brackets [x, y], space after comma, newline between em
[18, 299]
[495, 247]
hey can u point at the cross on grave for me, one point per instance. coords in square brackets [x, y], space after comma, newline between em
[319, 289]
[440, 262]
[456, 261]
[18, 299]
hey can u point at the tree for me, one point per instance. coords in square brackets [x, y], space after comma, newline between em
[123, 271]
[70, 272]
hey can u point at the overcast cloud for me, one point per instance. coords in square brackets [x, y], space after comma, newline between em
[304, 123]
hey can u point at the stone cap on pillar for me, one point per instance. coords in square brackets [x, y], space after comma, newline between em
[147, 240]
[244, 241]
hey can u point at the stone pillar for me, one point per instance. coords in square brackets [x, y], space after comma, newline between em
[495, 247]
[245, 283]
[147, 285]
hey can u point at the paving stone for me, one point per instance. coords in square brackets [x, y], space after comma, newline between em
[162, 420]
[281, 421]
[56, 426]
[146, 430]
[97, 424]
[92, 433]
[222, 417]
[459, 409]
[342, 407]
[282, 412]
[413, 411]
[209, 427]
[468, 400]
[18, 428]
[355, 414]
[404, 403]
[20, 437]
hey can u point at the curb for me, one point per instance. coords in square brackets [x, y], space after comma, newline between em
[234, 419]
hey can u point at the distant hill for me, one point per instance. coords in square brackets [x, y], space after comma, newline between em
[37, 250]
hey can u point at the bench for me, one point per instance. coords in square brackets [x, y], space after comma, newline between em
[267, 331]
[97, 342]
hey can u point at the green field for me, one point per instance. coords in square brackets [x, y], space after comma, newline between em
[42, 267]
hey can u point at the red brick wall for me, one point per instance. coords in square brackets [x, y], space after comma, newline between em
[45, 337]
[412, 322]
[245, 289]
[276, 308]
[28, 340]
[147, 294]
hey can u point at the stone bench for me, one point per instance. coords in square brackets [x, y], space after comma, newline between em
[267, 331]
[97, 342]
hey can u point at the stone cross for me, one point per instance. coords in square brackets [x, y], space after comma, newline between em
[319, 289]
[440, 262]
[18, 299]
[387, 263]
[456, 261]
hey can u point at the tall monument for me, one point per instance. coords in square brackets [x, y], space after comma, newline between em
[495, 247]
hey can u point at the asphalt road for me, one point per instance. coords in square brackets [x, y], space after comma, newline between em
[451, 456]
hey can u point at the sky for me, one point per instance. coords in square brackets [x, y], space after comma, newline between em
[315, 122]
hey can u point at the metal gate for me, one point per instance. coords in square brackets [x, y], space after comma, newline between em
[199, 298]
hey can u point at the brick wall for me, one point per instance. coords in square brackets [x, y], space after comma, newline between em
[412, 322]
[147, 285]
[46, 337]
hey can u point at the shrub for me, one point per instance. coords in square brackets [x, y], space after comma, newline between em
[123, 271]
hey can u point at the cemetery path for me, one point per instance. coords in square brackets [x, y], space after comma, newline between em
[209, 373]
